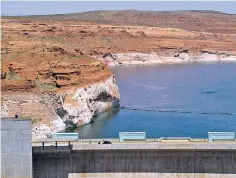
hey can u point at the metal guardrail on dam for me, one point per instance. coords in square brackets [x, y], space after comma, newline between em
[137, 136]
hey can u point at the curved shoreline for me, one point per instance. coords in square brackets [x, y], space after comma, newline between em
[124, 59]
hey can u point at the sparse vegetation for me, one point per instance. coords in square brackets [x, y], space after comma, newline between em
[188, 20]
[36, 120]
[12, 76]
[45, 86]
[106, 40]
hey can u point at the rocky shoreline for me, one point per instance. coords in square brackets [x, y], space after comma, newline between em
[47, 64]
[120, 59]
[70, 108]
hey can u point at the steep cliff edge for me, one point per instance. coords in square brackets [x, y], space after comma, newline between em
[68, 108]
[80, 105]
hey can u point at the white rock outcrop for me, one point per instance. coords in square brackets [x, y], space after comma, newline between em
[4, 110]
[80, 105]
[45, 130]
[119, 59]
[41, 131]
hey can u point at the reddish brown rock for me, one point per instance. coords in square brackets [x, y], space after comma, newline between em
[16, 67]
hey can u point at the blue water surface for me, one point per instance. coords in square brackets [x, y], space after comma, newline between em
[197, 98]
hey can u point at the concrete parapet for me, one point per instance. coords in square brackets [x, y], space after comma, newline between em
[157, 146]
[149, 175]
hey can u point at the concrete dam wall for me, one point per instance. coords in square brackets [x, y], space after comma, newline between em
[16, 148]
[58, 164]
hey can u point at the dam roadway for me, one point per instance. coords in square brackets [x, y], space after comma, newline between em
[152, 158]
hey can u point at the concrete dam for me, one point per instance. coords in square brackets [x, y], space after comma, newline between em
[157, 158]
[136, 160]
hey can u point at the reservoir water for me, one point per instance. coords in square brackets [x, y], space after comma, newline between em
[170, 100]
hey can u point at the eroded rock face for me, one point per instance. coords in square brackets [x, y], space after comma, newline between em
[80, 105]
[54, 112]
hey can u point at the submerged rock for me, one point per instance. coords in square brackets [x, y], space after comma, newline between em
[210, 92]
